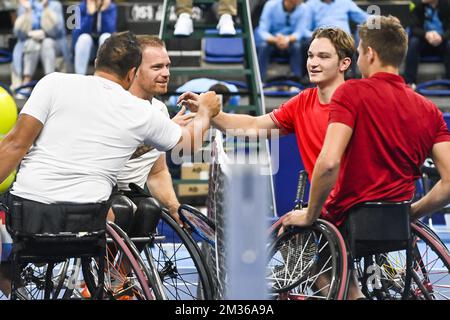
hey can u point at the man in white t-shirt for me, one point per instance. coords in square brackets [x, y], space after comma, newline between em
[75, 134]
[150, 168]
[79, 131]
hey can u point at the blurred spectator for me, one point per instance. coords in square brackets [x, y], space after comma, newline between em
[430, 34]
[332, 13]
[8, 4]
[41, 35]
[98, 19]
[200, 85]
[184, 25]
[280, 32]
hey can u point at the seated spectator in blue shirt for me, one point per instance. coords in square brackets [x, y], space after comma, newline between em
[201, 85]
[430, 34]
[279, 31]
[41, 35]
[332, 13]
[98, 20]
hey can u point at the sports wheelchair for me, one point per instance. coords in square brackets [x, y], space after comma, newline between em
[393, 257]
[53, 265]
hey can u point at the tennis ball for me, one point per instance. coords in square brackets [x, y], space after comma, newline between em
[8, 112]
[4, 186]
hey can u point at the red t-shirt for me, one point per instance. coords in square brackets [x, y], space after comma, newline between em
[394, 130]
[308, 118]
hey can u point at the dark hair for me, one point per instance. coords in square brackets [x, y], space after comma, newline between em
[387, 37]
[341, 41]
[220, 88]
[119, 54]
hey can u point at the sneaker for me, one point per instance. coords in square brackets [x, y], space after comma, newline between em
[126, 297]
[85, 292]
[23, 93]
[184, 25]
[226, 25]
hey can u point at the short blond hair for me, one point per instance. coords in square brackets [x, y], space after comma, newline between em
[341, 40]
[150, 41]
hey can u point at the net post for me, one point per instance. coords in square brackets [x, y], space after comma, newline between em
[246, 222]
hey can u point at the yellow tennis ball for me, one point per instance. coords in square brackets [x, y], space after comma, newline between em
[4, 186]
[8, 112]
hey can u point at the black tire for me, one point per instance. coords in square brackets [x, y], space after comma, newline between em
[166, 253]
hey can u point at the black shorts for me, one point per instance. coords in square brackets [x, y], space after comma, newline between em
[32, 217]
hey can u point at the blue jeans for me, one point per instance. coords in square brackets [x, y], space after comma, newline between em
[85, 50]
[418, 47]
[296, 60]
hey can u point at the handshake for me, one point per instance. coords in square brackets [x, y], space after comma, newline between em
[208, 102]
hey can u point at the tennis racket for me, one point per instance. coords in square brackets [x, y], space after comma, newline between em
[294, 253]
[199, 223]
[298, 203]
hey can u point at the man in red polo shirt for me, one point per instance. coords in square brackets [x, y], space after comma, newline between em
[306, 114]
[379, 134]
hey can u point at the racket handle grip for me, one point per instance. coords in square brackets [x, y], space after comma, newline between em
[300, 190]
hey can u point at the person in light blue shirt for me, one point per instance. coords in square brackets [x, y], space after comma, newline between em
[279, 32]
[331, 13]
[41, 36]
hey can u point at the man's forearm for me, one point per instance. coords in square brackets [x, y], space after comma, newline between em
[17, 143]
[224, 121]
[323, 181]
[200, 125]
[437, 198]
[10, 156]
[161, 187]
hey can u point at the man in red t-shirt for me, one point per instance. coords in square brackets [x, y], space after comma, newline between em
[306, 114]
[379, 134]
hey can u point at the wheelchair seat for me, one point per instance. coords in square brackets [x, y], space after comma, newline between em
[377, 227]
[50, 248]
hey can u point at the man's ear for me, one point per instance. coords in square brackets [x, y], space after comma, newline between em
[132, 74]
[345, 64]
[371, 54]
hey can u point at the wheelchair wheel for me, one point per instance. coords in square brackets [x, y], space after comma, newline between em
[125, 277]
[431, 270]
[179, 262]
[320, 265]
[48, 280]
[66, 283]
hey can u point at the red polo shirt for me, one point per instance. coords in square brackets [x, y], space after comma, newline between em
[394, 129]
[308, 118]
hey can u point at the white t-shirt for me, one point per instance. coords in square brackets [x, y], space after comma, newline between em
[91, 128]
[137, 170]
